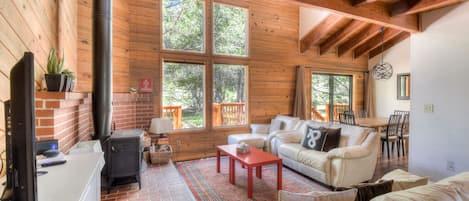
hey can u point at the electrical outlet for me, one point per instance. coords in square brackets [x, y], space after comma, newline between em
[428, 108]
[450, 166]
[178, 142]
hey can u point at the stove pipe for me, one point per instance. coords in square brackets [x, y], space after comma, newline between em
[102, 69]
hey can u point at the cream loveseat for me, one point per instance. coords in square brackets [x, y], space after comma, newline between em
[353, 162]
[262, 134]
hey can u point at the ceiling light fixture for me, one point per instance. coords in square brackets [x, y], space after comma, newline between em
[382, 71]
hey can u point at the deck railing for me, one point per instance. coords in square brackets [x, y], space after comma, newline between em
[174, 113]
[229, 114]
[338, 108]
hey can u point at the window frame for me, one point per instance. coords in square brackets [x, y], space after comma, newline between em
[205, 33]
[248, 30]
[246, 94]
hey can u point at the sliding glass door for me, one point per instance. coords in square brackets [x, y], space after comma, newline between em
[330, 95]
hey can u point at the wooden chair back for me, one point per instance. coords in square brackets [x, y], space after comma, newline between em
[393, 125]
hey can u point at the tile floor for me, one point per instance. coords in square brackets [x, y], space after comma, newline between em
[159, 183]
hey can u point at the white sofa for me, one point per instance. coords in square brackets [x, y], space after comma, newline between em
[352, 163]
[262, 134]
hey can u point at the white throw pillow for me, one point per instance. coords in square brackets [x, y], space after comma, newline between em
[404, 180]
[348, 195]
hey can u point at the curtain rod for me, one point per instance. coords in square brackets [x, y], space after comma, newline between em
[335, 69]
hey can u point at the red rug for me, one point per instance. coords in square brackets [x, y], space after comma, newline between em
[206, 184]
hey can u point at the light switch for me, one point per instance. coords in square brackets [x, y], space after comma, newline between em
[428, 108]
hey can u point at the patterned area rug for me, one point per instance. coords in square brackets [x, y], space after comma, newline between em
[206, 184]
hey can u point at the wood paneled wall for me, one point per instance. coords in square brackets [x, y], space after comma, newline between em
[274, 53]
[35, 26]
[120, 46]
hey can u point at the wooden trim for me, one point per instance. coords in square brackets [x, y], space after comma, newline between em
[372, 13]
[361, 2]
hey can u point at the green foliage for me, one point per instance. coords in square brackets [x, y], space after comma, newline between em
[230, 28]
[69, 74]
[229, 83]
[55, 65]
[321, 93]
[183, 25]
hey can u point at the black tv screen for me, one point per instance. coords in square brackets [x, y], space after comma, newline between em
[21, 136]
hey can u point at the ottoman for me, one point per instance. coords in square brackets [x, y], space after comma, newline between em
[254, 139]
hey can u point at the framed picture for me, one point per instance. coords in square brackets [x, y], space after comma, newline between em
[146, 85]
[403, 86]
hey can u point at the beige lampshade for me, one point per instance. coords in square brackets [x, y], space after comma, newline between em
[161, 125]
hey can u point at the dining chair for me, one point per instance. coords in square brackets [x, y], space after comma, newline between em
[362, 114]
[404, 133]
[401, 112]
[391, 135]
[347, 117]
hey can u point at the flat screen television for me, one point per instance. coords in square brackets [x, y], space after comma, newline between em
[20, 133]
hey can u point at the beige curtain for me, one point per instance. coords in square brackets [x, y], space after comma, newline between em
[300, 105]
[370, 96]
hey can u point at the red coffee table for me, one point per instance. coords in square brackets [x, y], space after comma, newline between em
[256, 158]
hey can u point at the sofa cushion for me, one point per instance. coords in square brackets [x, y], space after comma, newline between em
[318, 196]
[404, 180]
[291, 150]
[351, 135]
[257, 140]
[315, 138]
[289, 122]
[315, 159]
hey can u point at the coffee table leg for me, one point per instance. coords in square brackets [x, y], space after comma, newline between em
[259, 172]
[218, 161]
[233, 171]
[279, 175]
[249, 182]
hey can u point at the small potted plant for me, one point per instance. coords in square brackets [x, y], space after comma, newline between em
[69, 80]
[54, 77]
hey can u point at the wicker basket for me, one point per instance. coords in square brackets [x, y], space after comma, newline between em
[161, 157]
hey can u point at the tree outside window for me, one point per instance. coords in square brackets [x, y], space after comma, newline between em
[230, 30]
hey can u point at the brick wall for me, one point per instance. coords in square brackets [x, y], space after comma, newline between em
[67, 117]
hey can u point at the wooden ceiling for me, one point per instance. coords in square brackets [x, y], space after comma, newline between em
[356, 25]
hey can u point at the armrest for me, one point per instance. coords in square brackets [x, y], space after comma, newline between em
[348, 152]
[260, 128]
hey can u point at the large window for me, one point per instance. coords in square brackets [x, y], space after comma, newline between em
[230, 30]
[184, 94]
[183, 25]
[331, 95]
[229, 95]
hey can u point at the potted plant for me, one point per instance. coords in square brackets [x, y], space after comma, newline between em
[69, 80]
[54, 77]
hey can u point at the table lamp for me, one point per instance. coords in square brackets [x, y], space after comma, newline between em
[161, 126]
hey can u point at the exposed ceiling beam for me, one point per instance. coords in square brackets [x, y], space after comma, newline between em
[342, 35]
[368, 33]
[361, 2]
[399, 38]
[319, 31]
[410, 7]
[373, 13]
[375, 42]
